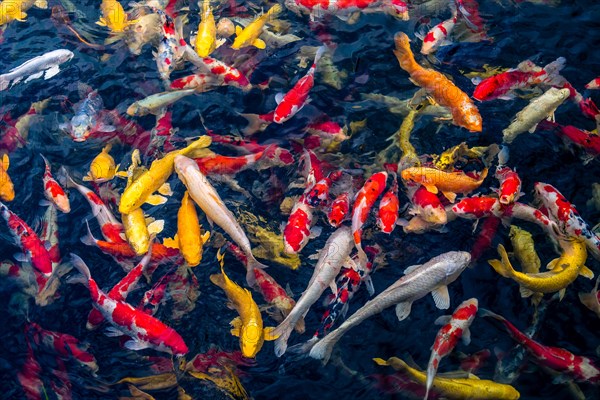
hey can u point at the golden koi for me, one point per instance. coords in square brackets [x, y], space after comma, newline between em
[11, 10]
[114, 16]
[206, 38]
[449, 183]
[524, 251]
[140, 190]
[249, 36]
[563, 270]
[443, 91]
[457, 388]
[249, 325]
[7, 189]
[103, 167]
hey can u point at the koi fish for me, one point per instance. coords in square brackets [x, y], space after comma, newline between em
[145, 331]
[53, 191]
[364, 201]
[249, 36]
[477, 207]
[201, 82]
[593, 84]
[293, 101]
[592, 300]
[345, 9]
[580, 368]
[171, 47]
[297, 229]
[562, 271]
[207, 198]
[428, 206]
[419, 280]
[443, 91]
[33, 249]
[538, 109]
[121, 290]
[217, 164]
[389, 206]
[454, 327]
[224, 73]
[526, 75]
[338, 212]
[154, 178]
[7, 189]
[456, 388]
[29, 376]
[155, 103]
[439, 34]
[15, 132]
[206, 38]
[587, 141]
[102, 167]
[249, 325]
[86, 118]
[114, 16]
[46, 65]
[331, 258]
[510, 185]
[566, 216]
[319, 193]
[449, 183]
[524, 252]
[11, 10]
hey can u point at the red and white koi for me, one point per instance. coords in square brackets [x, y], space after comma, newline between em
[63, 344]
[330, 133]
[526, 75]
[297, 230]
[428, 206]
[588, 141]
[318, 195]
[293, 101]
[120, 291]
[489, 228]
[53, 191]
[510, 185]
[566, 216]
[33, 249]
[14, 132]
[29, 376]
[439, 34]
[344, 8]
[201, 82]
[171, 47]
[593, 84]
[363, 202]
[454, 328]
[339, 210]
[225, 73]
[477, 207]
[217, 164]
[389, 207]
[257, 122]
[580, 368]
[49, 235]
[145, 331]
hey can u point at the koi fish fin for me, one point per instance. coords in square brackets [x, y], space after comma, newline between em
[466, 337]
[43, 4]
[431, 188]
[205, 237]
[403, 310]
[279, 98]
[5, 161]
[220, 42]
[156, 199]
[259, 44]
[450, 196]
[305, 347]
[442, 320]
[369, 283]
[269, 334]
[533, 128]
[156, 226]
[136, 345]
[101, 21]
[590, 301]
[22, 257]
[561, 293]
[238, 30]
[586, 272]
[165, 190]
[525, 292]
[410, 269]
[441, 297]
[333, 287]
[236, 326]
[218, 280]
[111, 331]
[21, 16]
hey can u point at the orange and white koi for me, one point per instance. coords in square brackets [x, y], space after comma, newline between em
[364, 201]
[389, 206]
[443, 91]
[449, 183]
[339, 210]
[33, 249]
[121, 290]
[217, 164]
[53, 191]
[297, 229]
[293, 101]
[454, 328]
[428, 206]
[201, 82]
[145, 331]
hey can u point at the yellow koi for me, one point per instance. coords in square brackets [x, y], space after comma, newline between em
[103, 167]
[7, 189]
[449, 183]
[114, 16]
[249, 36]
[524, 252]
[249, 325]
[206, 38]
[11, 10]
[150, 181]
[563, 270]
[456, 388]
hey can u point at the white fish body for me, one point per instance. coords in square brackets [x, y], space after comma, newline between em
[433, 276]
[46, 65]
[331, 258]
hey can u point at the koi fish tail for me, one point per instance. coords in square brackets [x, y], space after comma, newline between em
[252, 264]
[89, 238]
[283, 332]
[255, 124]
[483, 312]
[305, 347]
[553, 69]
[323, 348]
[275, 10]
[394, 362]
[80, 265]
[4, 82]
[431, 371]
[503, 267]
[320, 51]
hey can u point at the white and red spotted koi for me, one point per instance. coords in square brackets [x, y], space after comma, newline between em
[389, 207]
[477, 207]
[217, 164]
[297, 230]
[29, 376]
[593, 84]
[63, 344]
[293, 101]
[226, 74]
[171, 47]
[111, 228]
[438, 34]
[33, 249]
[454, 328]
[428, 206]
[363, 202]
[339, 210]
[145, 330]
[566, 216]
[510, 185]
[319, 193]
[580, 368]
[120, 291]
[345, 8]
[202, 82]
[53, 191]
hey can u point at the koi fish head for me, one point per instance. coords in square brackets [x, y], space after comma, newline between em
[251, 339]
[486, 89]
[399, 9]
[81, 127]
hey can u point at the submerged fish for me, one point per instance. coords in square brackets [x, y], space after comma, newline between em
[46, 65]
